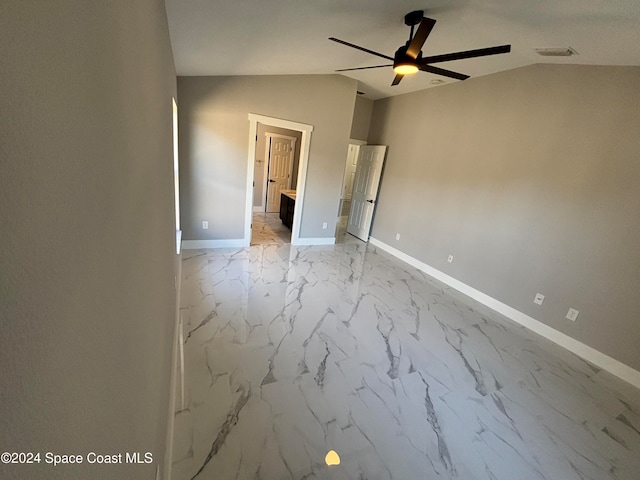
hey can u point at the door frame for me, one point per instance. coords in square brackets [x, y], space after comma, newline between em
[305, 143]
[267, 155]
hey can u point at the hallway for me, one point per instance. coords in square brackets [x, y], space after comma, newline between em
[293, 351]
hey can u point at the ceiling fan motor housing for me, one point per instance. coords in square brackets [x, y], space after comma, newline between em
[401, 58]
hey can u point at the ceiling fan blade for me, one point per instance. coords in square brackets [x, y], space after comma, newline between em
[364, 68]
[360, 48]
[397, 79]
[481, 52]
[443, 72]
[426, 25]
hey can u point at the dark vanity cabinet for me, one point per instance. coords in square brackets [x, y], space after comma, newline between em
[287, 205]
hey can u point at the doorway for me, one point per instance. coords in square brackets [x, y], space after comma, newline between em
[275, 172]
[363, 170]
[365, 190]
[276, 165]
[347, 188]
[297, 178]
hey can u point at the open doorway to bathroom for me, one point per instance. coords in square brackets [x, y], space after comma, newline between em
[277, 168]
[275, 182]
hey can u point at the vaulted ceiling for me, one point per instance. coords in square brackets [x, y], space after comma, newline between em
[272, 37]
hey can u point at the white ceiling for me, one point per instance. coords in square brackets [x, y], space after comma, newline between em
[268, 37]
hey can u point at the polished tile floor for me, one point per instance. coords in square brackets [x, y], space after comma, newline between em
[268, 229]
[294, 351]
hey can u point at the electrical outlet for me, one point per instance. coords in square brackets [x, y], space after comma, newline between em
[324, 225]
[450, 259]
[397, 236]
[205, 225]
[572, 314]
[539, 299]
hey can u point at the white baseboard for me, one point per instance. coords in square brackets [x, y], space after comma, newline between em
[197, 244]
[315, 241]
[259, 209]
[594, 356]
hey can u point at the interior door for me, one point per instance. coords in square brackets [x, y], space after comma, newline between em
[365, 190]
[350, 171]
[279, 177]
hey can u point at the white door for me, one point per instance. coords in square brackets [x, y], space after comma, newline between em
[279, 177]
[365, 190]
[350, 171]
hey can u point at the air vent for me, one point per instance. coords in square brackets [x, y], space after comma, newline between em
[359, 92]
[556, 52]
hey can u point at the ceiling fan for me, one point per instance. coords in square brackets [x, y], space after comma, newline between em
[408, 58]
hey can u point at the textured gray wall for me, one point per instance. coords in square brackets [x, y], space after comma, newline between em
[87, 254]
[530, 178]
[214, 138]
[261, 150]
[361, 118]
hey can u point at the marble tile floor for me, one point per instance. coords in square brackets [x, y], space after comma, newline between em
[294, 351]
[341, 231]
[268, 229]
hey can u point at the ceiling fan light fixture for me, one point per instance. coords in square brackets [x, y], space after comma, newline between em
[405, 68]
[403, 64]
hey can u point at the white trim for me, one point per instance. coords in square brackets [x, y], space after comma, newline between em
[353, 141]
[282, 135]
[197, 244]
[278, 122]
[603, 361]
[176, 163]
[316, 241]
[176, 359]
[265, 176]
[172, 397]
[248, 211]
[258, 209]
[178, 242]
[302, 171]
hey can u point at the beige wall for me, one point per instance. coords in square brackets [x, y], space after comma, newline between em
[214, 135]
[87, 252]
[530, 178]
[361, 118]
[262, 156]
